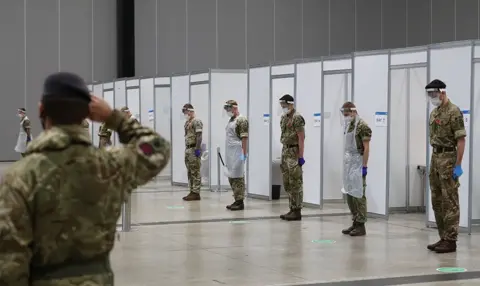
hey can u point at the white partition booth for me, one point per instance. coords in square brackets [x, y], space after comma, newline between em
[407, 127]
[336, 90]
[97, 91]
[161, 114]
[370, 95]
[309, 104]
[133, 97]
[453, 64]
[120, 100]
[224, 85]
[180, 89]
[475, 138]
[259, 163]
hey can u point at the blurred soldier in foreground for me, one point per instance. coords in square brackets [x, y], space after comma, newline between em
[447, 137]
[128, 113]
[85, 124]
[61, 203]
[356, 151]
[292, 125]
[24, 134]
[236, 152]
[193, 144]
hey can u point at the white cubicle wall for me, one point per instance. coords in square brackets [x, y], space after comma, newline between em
[147, 102]
[309, 104]
[370, 95]
[98, 91]
[133, 97]
[475, 138]
[162, 111]
[337, 89]
[407, 127]
[452, 63]
[180, 95]
[120, 100]
[200, 99]
[259, 163]
[224, 85]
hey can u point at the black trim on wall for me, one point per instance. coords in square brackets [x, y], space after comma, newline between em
[125, 38]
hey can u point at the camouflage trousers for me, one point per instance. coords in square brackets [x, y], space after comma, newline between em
[358, 206]
[292, 177]
[238, 188]
[193, 164]
[104, 142]
[444, 190]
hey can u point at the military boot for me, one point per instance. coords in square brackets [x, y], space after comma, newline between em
[284, 215]
[446, 246]
[229, 207]
[294, 215]
[434, 245]
[348, 230]
[358, 230]
[237, 206]
[192, 197]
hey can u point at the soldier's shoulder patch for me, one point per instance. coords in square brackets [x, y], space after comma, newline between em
[146, 148]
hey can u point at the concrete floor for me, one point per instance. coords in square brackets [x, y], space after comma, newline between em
[201, 243]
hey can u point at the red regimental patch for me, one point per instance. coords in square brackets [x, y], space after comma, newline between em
[146, 148]
[437, 121]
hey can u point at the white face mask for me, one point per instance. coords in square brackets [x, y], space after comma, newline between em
[187, 117]
[230, 113]
[435, 101]
[285, 110]
[19, 115]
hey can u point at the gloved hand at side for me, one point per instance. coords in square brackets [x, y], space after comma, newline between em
[301, 161]
[364, 171]
[457, 172]
[198, 152]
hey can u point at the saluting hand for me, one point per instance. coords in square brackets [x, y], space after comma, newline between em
[100, 111]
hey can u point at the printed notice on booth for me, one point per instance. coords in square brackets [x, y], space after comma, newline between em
[151, 115]
[266, 119]
[466, 118]
[381, 119]
[317, 120]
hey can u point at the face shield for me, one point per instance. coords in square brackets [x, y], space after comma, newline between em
[20, 113]
[347, 115]
[228, 110]
[185, 115]
[433, 95]
[284, 107]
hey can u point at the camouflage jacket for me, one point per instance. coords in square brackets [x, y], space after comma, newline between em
[241, 127]
[291, 124]
[85, 124]
[104, 131]
[59, 205]
[364, 133]
[26, 124]
[192, 127]
[446, 126]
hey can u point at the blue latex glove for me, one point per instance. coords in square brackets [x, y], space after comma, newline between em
[198, 152]
[29, 139]
[457, 172]
[364, 171]
[301, 161]
[243, 157]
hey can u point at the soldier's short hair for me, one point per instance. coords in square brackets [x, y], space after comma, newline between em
[187, 106]
[231, 102]
[22, 109]
[349, 106]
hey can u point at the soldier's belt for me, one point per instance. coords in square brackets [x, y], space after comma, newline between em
[290, 145]
[94, 266]
[443, 149]
[191, 146]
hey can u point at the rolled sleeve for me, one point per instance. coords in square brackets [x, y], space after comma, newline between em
[242, 128]
[365, 132]
[298, 124]
[198, 126]
[458, 125]
[26, 124]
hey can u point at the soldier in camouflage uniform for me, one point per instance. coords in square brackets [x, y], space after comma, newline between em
[126, 110]
[24, 135]
[105, 136]
[292, 125]
[193, 143]
[236, 152]
[361, 135]
[60, 203]
[447, 137]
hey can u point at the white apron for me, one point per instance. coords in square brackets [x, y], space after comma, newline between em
[21, 146]
[233, 151]
[352, 165]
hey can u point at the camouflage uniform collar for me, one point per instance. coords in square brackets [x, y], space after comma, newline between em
[58, 138]
[446, 106]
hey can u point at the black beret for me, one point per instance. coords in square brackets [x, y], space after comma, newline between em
[436, 84]
[65, 84]
[287, 98]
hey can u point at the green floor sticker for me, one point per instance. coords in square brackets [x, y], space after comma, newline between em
[323, 241]
[175, 207]
[238, 222]
[451, 269]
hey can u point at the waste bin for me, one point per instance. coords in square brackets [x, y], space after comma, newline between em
[276, 192]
